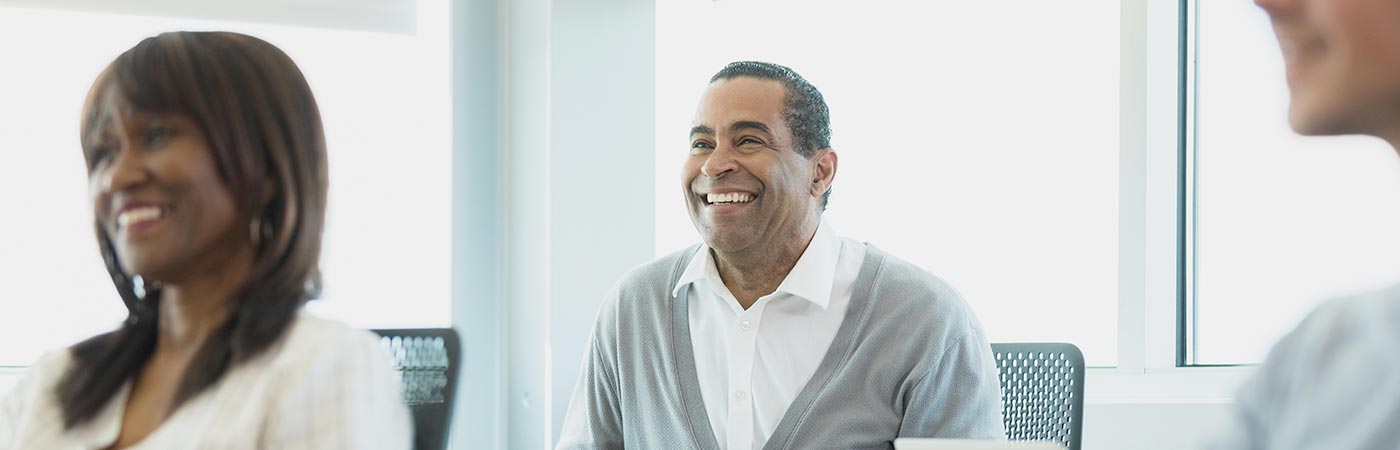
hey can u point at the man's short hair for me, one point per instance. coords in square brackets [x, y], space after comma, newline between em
[804, 109]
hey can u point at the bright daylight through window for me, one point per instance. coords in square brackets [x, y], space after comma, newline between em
[1282, 222]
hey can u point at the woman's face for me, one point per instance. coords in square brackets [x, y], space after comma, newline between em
[156, 192]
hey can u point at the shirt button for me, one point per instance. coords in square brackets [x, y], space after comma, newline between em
[744, 325]
[740, 396]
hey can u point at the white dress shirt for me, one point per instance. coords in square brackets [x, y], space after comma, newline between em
[324, 385]
[752, 363]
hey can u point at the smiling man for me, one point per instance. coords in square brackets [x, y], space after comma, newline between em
[776, 333]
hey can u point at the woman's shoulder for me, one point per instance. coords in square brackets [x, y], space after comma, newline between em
[50, 364]
[28, 400]
[311, 330]
[345, 375]
[313, 341]
[43, 375]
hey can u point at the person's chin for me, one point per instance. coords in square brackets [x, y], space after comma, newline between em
[728, 241]
[1310, 119]
[1307, 115]
[1301, 123]
[143, 265]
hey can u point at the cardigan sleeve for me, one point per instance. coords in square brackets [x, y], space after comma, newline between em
[960, 396]
[594, 418]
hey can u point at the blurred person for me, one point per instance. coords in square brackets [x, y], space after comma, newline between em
[776, 332]
[1334, 381]
[207, 172]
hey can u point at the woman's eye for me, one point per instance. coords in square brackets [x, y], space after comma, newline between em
[700, 144]
[157, 134]
[99, 156]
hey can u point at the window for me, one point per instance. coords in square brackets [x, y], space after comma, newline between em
[1281, 222]
[977, 140]
[387, 118]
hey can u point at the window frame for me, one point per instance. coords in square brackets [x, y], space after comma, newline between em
[1156, 218]
[1187, 311]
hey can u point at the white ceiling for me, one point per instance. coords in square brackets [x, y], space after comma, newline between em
[391, 16]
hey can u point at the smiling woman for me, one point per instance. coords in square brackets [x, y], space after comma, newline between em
[47, 264]
[207, 172]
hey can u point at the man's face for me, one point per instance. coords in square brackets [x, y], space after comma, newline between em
[1343, 63]
[746, 186]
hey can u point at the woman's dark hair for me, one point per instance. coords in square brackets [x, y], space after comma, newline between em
[264, 128]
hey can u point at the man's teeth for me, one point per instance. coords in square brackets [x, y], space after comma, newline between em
[731, 197]
[137, 215]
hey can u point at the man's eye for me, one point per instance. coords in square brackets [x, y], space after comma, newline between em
[701, 148]
[747, 141]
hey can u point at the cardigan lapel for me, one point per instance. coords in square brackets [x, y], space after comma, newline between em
[857, 314]
[683, 359]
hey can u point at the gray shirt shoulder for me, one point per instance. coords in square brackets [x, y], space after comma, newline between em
[1333, 382]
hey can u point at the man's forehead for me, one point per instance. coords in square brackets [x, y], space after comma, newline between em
[743, 102]
[745, 89]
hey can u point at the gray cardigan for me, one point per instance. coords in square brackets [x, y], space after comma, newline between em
[909, 360]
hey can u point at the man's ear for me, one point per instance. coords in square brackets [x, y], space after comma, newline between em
[823, 171]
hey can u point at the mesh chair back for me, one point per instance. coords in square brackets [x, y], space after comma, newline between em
[1042, 391]
[427, 362]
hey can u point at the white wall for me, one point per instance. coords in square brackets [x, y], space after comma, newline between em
[576, 154]
[1151, 426]
[477, 223]
[602, 91]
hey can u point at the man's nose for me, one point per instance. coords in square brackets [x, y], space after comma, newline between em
[720, 163]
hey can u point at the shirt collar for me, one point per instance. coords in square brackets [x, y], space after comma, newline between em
[811, 278]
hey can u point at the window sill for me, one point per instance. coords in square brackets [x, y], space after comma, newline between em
[1191, 385]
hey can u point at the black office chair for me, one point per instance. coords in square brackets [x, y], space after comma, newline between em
[427, 361]
[1042, 391]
